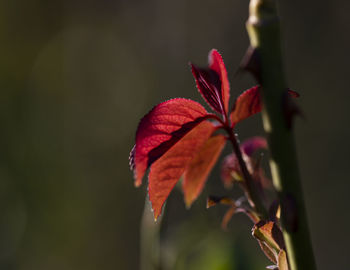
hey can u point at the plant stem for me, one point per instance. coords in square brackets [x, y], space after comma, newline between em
[150, 246]
[252, 188]
[264, 34]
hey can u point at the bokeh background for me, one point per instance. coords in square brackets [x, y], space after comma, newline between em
[76, 77]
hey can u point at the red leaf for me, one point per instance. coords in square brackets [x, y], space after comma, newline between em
[216, 63]
[231, 171]
[199, 168]
[253, 144]
[249, 103]
[212, 82]
[167, 170]
[209, 85]
[160, 129]
[270, 233]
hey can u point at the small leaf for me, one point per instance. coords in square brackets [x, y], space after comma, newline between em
[247, 104]
[214, 200]
[235, 207]
[167, 170]
[230, 169]
[216, 63]
[212, 82]
[209, 85]
[199, 168]
[251, 145]
[270, 233]
[160, 129]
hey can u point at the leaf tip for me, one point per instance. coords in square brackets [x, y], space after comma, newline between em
[212, 201]
[188, 204]
[137, 183]
[213, 53]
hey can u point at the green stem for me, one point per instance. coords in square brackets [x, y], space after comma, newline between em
[263, 29]
[150, 246]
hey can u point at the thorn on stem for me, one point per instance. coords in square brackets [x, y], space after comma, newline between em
[251, 63]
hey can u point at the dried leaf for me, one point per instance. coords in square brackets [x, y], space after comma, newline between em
[227, 217]
[270, 233]
[214, 200]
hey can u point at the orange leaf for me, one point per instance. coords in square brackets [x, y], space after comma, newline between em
[160, 129]
[247, 104]
[199, 168]
[269, 233]
[167, 170]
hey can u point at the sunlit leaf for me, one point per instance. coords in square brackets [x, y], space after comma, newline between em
[216, 63]
[249, 103]
[209, 85]
[167, 170]
[199, 168]
[212, 82]
[160, 129]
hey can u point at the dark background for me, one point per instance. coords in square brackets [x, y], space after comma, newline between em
[76, 77]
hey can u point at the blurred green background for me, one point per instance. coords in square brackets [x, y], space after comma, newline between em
[76, 77]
